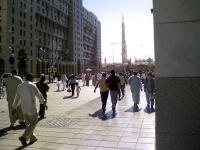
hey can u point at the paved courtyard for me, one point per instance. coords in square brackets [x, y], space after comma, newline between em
[78, 124]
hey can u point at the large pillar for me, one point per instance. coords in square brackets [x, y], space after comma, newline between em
[177, 57]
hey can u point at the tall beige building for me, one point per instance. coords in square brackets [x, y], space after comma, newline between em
[39, 34]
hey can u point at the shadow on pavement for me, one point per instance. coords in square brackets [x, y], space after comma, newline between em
[66, 97]
[149, 110]
[74, 97]
[4, 131]
[18, 127]
[133, 109]
[109, 115]
[96, 114]
[21, 147]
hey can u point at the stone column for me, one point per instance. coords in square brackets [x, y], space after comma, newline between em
[177, 58]
[45, 67]
[64, 68]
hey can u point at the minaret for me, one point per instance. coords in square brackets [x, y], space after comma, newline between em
[124, 51]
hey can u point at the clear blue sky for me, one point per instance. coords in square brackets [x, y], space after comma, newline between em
[138, 27]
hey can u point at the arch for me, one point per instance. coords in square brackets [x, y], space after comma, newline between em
[43, 67]
[60, 69]
[79, 66]
[2, 66]
[38, 68]
[47, 66]
[67, 68]
[22, 62]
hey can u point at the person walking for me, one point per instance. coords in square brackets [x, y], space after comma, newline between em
[87, 79]
[103, 91]
[72, 83]
[44, 88]
[64, 81]
[135, 85]
[11, 88]
[113, 83]
[122, 85]
[26, 95]
[78, 88]
[83, 78]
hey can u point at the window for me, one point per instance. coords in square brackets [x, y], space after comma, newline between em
[20, 23]
[31, 35]
[0, 39]
[13, 1]
[0, 49]
[13, 40]
[13, 20]
[24, 42]
[13, 10]
[31, 9]
[20, 4]
[24, 33]
[25, 24]
[24, 16]
[31, 1]
[31, 44]
[20, 14]
[31, 26]
[20, 32]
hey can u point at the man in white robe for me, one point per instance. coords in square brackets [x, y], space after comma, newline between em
[11, 88]
[136, 86]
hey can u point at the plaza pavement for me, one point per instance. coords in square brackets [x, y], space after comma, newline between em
[78, 124]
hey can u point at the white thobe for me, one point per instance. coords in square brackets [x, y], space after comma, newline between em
[135, 85]
[26, 95]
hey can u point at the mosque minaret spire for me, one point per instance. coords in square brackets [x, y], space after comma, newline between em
[124, 50]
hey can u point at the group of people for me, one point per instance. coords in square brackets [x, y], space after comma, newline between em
[23, 104]
[116, 85]
[22, 96]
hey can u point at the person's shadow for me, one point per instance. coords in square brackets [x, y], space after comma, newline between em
[66, 97]
[96, 114]
[149, 110]
[5, 131]
[102, 115]
[133, 109]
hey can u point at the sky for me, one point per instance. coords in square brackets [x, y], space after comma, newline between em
[138, 22]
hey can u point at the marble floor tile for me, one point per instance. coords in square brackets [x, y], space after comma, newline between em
[108, 144]
[91, 142]
[126, 145]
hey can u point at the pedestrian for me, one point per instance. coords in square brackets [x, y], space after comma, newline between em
[78, 88]
[49, 78]
[83, 78]
[151, 85]
[87, 79]
[135, 85]
[67, 80]
[113, 83]
[58, 81]
[64, 81]
[103, 91]
[122, 85]
[27, 95]
[72, 83]
[99, 75]
[11, 88]
[44, 88]
[94, 80]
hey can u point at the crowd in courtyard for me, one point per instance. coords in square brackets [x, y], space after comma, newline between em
[22, 96]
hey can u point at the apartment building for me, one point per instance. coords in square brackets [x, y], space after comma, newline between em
[39, 34]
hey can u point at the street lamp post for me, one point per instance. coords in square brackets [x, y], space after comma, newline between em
[113, 54]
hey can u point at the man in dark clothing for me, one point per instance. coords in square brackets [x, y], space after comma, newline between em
[113, 83]
[43, 88]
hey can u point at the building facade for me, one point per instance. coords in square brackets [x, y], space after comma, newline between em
[39, 34]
